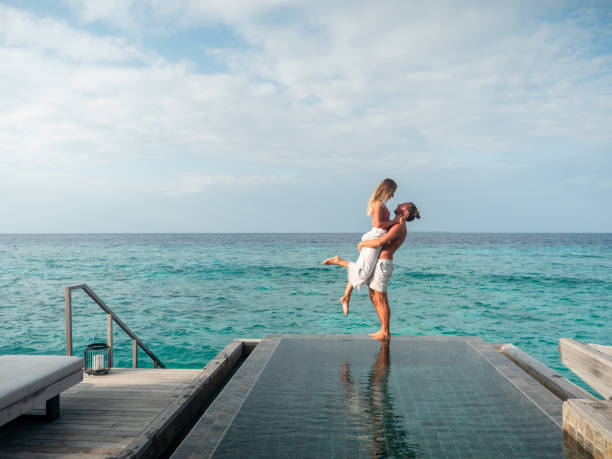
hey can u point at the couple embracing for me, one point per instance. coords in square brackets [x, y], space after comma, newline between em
[375, 263]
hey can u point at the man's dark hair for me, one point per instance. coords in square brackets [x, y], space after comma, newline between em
[414, 212]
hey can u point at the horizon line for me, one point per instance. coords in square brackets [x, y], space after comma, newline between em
[292, 232]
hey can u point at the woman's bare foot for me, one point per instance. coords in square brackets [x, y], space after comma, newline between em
[345, 304]
[380, 336]
[331, 261]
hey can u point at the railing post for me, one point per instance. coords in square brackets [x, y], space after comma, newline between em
[110, 318]
[68, 292]
[109, 338]
[134, 353]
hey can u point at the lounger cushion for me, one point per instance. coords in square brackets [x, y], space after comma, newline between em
[23, 375]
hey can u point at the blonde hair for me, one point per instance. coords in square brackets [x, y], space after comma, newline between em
[383, 192]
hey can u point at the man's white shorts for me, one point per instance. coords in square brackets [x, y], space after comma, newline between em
[381, 275]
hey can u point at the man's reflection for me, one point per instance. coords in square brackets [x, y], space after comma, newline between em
[371, 411]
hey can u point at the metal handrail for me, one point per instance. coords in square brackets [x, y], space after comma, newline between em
[110, 317]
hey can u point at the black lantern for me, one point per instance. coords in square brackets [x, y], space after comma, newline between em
[96, 359]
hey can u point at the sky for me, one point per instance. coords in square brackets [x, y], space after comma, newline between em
[276, 116]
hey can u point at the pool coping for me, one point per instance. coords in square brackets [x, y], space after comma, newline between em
[210, 429]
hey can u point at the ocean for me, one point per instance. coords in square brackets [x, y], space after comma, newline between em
[187, 295]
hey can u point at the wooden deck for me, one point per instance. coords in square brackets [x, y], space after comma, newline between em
[100, 417]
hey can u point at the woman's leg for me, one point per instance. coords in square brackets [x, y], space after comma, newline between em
[349, 288]
[346, 299]
[336, 261]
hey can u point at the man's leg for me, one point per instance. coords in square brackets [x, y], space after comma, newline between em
[381, 304]
[383, 301]
[373, 300]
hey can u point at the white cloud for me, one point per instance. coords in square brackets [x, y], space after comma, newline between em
[484, 77]
[130, 14]
[47, 37]
[337, 87]
[196, 183]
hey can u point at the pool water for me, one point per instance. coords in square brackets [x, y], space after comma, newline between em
[407, 398]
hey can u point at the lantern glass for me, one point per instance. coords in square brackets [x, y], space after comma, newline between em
[96, 359]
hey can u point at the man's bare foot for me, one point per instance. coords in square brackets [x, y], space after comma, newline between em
[380, 336]
[331, 261]
[345, 304]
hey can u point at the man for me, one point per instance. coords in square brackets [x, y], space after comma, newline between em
[379, 281]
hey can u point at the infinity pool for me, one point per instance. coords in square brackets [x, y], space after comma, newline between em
[348, 396]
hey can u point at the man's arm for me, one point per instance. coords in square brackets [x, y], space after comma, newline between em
[389, 236]
[377, 217]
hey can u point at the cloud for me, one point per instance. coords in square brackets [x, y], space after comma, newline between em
[133, 14]
[24, 31]
[484, 77]
[196, 183]
[337, 88]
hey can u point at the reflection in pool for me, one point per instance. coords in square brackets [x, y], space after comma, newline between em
[370, 407]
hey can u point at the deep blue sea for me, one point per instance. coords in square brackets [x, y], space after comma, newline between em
[187, 295]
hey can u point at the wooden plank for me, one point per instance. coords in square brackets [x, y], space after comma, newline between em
[164, 429]
[152, 384]
[57, 443]
[121, 393]
[107, 397]
[44, 452]
[592, 365]
[104, 403]
[135, 391]
[161, 386]
[148, 376]
[135, 407]
[602, 348]
[97, 415]
[77, 425]
[210, 427]
[76, 438]
[100, 417]
[26, 422]
[149, 379]
[553, 381]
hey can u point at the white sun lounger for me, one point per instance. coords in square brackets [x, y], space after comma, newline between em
[27, 380]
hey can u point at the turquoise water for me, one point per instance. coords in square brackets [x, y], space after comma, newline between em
[188, 295]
